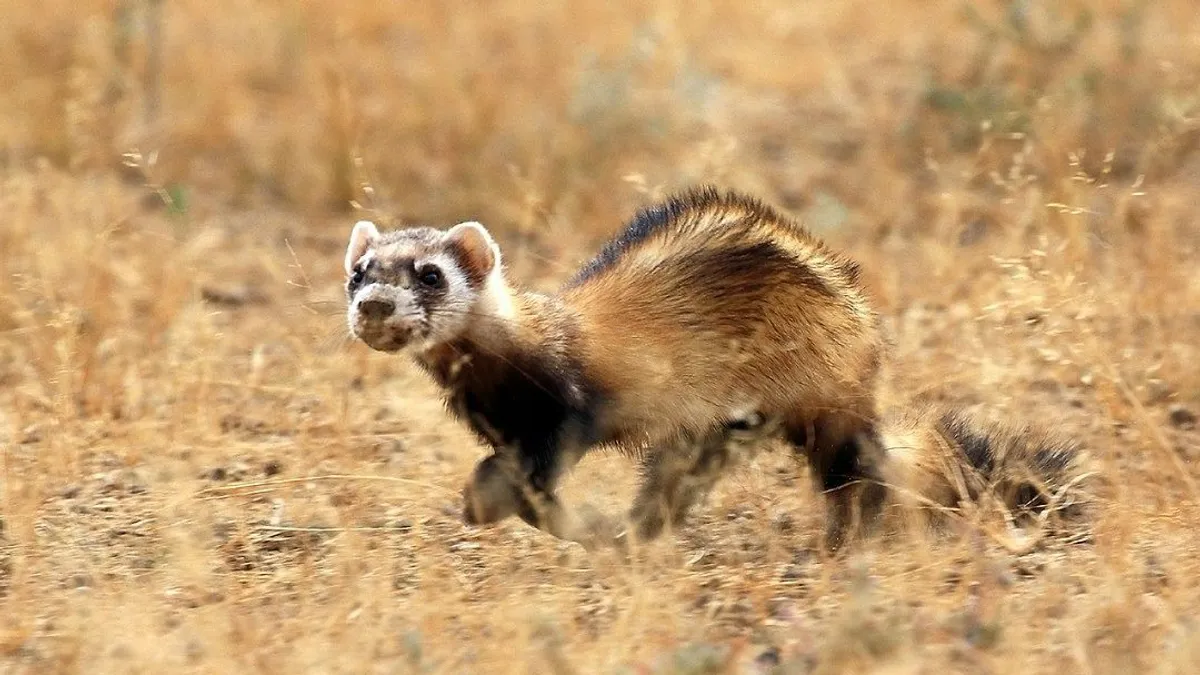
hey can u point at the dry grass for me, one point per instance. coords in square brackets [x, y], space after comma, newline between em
[201, 474]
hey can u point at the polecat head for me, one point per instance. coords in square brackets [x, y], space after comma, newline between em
[421, 287]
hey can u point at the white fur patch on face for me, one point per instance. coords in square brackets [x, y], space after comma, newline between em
[449, 315]
[475, 312]
[495, 298]
[457, 287]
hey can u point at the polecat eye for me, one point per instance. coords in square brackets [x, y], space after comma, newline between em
[357, 277]
[430, 275]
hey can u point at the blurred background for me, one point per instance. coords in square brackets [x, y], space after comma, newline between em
[201, 470]
[543, 115]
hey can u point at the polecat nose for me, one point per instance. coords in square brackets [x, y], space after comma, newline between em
[376, 309]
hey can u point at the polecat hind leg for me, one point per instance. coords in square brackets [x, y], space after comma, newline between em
[845, 456]
[679, 474]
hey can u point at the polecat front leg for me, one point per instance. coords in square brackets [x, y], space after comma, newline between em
[519, 481]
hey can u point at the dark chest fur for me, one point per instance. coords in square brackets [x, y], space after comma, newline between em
[532, 405]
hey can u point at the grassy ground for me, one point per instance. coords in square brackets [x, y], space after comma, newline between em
[201, 474]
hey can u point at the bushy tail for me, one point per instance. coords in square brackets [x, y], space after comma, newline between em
[939, 456]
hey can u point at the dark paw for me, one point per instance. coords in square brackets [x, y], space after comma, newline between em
[484, 510]
[647, 523]
[490, 496]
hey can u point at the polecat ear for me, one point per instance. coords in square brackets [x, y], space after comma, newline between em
[477, 248]
[362, 237]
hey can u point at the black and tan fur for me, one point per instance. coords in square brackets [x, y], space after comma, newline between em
[711, 322]
[942, 457]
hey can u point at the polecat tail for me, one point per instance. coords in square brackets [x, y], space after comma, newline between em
[944, 456]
